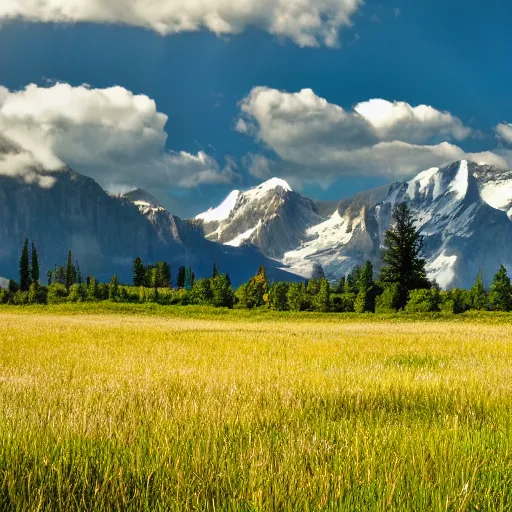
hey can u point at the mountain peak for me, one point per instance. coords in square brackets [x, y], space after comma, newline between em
[141, 198]
[273, 183]
[222, 211]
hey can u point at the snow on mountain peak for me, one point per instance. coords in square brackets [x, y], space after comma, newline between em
[460, 184]
[274, 183]
[222, 211]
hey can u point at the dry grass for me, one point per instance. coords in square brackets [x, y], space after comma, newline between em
[127, 412]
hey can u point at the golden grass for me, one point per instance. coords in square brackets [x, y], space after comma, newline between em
[128, 412]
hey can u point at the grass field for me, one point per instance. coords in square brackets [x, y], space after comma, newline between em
[190, 409]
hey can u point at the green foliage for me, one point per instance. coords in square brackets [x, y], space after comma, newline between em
[20, 298]
[500, 293]
[254, 293]
[401, 255]
[181, 277]
[25, 279]
[34, 267]
[92, 289]
[343, 303]
[223, 295]
[77, 293]
[189, 280]
[37, 294]
[57, 293]
[215, 272]
[478, 295]
[70, 272]
[322, 301]
[365, 301]
[340, 287]
[389, 300]
[424, 301]
[278, 296]
[353, 279]
[201, 292]
[296, 297]
[139, 272]
[456, 301]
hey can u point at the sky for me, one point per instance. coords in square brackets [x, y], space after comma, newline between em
[189, 100]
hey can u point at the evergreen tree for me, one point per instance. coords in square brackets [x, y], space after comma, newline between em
[13, 286]
[113, 291]
[401, 255]
[149, 277]
[228, 279]
[215, 272]
[323, 298]
[202, 292]
[188, 279]
[78, 274]
[50, 277]
[278, 296]
[92, 289]
[296, 297]
[181, 278]
[70, 272]
[34, 268]
[478, 295]
[25, 279]
[139, 272]
[500, 293]
[340, 288]
[353, 279]
[365, 301]
[164, 274]
[223, 295]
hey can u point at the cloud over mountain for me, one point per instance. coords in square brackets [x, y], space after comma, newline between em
[306, 22]
[112, 135]
[321, 141]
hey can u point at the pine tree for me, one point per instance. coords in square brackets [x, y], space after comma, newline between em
[215, 272]
[365, 301]
[278, 296]
[78, 274]
[188, 279]
[323, 298]
[500, 293]
[164, 272]
[70, 272]
[113, 291]
[180, 280]
[401, 255]
[353, 279]
[223, 295]
[25, 279]
[139, 272]
[297, 297]
[34, 268]
[340, 288]
[478, 295]
[49, 274]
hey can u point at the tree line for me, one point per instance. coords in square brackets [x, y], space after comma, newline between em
[401, 284]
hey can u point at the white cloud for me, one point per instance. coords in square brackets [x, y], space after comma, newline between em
[112, 135]
[321, 141]
[306, 22]
[504, 131]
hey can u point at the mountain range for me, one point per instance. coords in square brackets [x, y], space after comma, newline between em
[463, 210]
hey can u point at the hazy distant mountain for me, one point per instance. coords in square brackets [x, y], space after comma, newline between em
[106, 233]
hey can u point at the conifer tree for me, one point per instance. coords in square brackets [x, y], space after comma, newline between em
[340, 288]
[478, 295]
[278, 296]
[188, 281]
[25, 279]
[215, 272]
[297, 297]
[222, 292]
[70, 272]
[323, 298]
[353, 279]
[34, 268]
[78, 274]
[139, 272]
[113, 291]
[49, 274]
[365, 301]
[500, 293]
[164, 273]
[180, 280]
[401, 255]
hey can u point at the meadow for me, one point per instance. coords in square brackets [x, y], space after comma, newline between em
[148, 408]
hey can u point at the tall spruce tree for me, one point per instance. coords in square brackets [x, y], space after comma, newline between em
[500, 293]
[139, 272]
[478, 295]
[79, 279]
[34, 267]
[181, 278]
[70, 272]
[401, 259]
[25, 278]
[215, 272]
[189, 279]
[365, 301]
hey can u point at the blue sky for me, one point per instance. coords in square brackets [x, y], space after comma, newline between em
[452, 56]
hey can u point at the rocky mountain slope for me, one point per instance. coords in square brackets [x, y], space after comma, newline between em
[461, 210]
[106, 233]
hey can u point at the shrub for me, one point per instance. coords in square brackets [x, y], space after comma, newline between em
[296, 297]
[389, 300]
[423, 301]
[77, 293]
[57, 293]
[343, 303]
[278, 296]
[37, 294]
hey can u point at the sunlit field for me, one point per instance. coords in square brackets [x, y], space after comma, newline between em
[191, 409]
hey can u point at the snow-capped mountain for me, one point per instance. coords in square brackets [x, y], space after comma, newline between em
[271, 217]
[106, 233]
[461, 210]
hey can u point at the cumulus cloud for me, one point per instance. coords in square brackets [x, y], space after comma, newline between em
[321, 141]
[306, 22]
[112, 135]
[504, 131]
